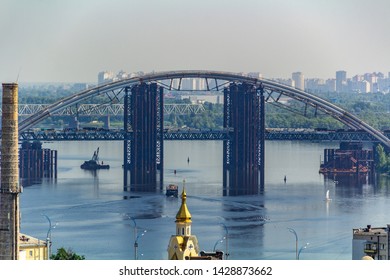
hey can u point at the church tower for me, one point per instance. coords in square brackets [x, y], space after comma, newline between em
[183, 245]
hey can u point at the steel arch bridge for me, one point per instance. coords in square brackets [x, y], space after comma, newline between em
[244, 99]
[214, 80]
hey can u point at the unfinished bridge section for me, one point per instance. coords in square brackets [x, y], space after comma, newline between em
[243, 162]
[244, 118]
[143, 143]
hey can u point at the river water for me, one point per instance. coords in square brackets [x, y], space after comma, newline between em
[91, 212]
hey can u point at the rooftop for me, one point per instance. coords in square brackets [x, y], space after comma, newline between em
[372, 231]
[27, 241]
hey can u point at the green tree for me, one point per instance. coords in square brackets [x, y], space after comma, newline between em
[381, 160]
[68, 254]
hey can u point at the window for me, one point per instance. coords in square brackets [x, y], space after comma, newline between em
[30, 253]
[370, 246]
[182, 231]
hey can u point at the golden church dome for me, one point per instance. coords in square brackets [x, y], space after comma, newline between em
[183, 215]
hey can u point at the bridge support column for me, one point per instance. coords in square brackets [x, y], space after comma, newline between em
[143, 144]
[261, 141]
[107, 123]
[243, 167]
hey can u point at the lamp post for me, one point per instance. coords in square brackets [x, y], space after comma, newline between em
[134, 235]
[219, 241]
[301, 249]
[135, 228]
[48, 236]
[136, 244]
[296, 241]
[227, 241]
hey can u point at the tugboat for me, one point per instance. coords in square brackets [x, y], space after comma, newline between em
[171, 190]
[93, 163]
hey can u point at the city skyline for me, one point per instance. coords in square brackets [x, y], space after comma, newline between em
[340, 82]
[71, 41]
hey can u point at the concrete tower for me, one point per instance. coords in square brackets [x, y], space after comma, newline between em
[341, 81]
[9, 189]
[183, 244]
[299, 80]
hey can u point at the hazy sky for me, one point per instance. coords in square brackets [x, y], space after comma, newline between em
[73, 40]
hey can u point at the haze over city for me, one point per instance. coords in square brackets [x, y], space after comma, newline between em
[71, 41]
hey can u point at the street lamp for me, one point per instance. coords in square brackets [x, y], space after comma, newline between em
[219, 241]
[136, 244]
[227, 241]
[48, 236]
[302, 248]
[134, 234]
[135, 227]
[296, 242]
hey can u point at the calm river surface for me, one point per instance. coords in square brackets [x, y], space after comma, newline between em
[92, 211]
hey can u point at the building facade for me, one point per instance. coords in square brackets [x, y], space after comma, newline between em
[299, 80]
[31, 248]
[371, 242]
[341, 81]
[105, 76]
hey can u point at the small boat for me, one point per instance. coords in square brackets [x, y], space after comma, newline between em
[172, 190]
[93, 163]
[327, 197]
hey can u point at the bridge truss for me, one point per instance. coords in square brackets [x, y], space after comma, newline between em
[105, 109]
[195, 134]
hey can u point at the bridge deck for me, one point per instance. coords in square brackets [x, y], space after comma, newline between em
[119, 135]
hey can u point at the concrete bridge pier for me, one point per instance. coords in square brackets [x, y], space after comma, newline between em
[106, 121]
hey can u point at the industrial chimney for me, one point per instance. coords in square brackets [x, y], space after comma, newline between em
[9, 184]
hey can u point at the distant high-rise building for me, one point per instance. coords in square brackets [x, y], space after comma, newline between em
[315, 85]
[122, 75]
[299, 80]
[287, 82]
[365, 86]
[331, 85]
[105, 76]
[341, 80]
[256, 75]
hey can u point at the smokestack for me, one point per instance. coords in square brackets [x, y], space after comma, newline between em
[9, 180]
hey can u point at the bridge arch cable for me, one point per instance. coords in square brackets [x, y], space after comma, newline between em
[267, 85]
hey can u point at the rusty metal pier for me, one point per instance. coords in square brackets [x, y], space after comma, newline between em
[36, 163]
[243, 162]
[143, 144]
